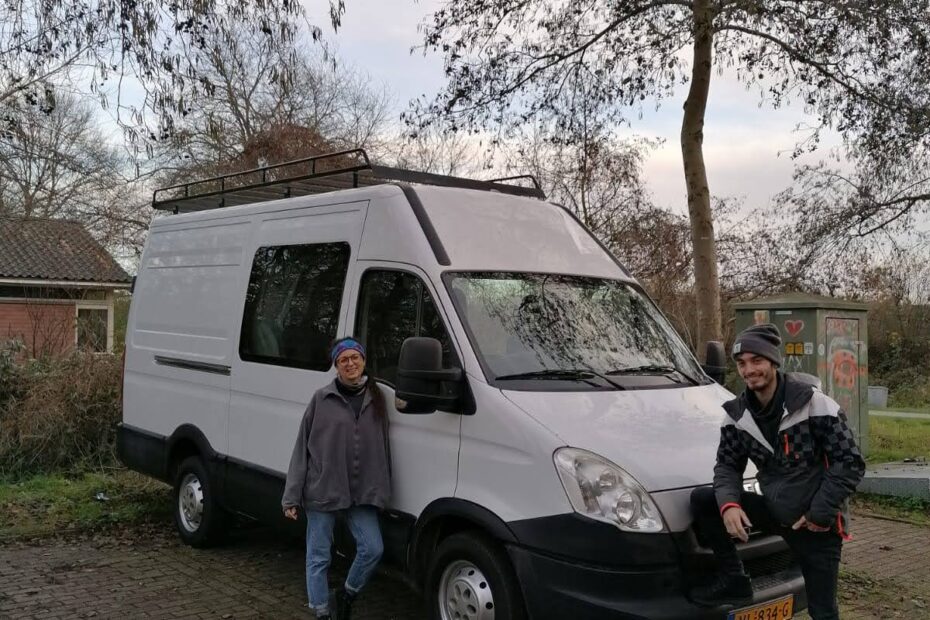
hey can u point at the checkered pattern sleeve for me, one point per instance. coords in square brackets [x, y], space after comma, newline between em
[732, 455]
[844, 463]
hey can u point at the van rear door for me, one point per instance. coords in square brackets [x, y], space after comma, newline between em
[180, 331]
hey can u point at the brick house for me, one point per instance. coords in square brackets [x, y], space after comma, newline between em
[57, 287]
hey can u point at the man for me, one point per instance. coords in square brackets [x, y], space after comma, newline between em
[808, 464]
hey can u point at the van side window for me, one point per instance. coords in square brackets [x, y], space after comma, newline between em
[393, 306]
[292, 304]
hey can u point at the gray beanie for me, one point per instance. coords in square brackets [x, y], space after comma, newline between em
[762, 340]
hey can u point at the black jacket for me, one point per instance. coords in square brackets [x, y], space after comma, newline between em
[812, 470]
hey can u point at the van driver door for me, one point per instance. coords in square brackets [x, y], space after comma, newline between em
[392, 303]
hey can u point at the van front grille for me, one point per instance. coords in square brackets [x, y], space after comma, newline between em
[771, 570]
[769, 564]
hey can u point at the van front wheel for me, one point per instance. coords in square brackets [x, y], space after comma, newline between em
[197, 515]
[470, 578]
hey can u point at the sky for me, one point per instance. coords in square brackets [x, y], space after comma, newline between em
[747, 147]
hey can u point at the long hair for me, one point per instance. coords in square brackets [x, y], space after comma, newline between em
[377, 400]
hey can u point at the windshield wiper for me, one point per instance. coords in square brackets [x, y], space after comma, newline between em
[652, 369]
[564, 374]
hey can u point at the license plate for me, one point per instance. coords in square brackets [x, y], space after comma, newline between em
[780, 609]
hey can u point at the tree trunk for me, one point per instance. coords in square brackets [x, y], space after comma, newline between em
[704, 248]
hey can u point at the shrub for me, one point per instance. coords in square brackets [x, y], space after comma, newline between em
[9, 371]
[61, 416]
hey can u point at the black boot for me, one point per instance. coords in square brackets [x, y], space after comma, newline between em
[344, 600]
[733, 588]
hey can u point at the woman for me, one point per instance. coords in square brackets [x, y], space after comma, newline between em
[341, 463]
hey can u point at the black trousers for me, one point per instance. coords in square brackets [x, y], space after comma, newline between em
[818, 553]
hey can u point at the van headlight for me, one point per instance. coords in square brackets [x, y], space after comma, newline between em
[600, 490]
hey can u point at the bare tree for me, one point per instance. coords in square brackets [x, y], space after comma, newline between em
[437, 151]
[59, 164]
[598, 176]
[53, 164]
[109, 40]
[271, 103]
[839, 208]
[510, 61]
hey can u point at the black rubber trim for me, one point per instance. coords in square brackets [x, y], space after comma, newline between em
[424, 536]
[142, 450]
[439, 250]
[195, 435]
[554, 588]
[588, 541]
[264, 471]
[177, 362]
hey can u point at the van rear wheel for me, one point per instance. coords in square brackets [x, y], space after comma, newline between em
[197, 515]
[470, 578]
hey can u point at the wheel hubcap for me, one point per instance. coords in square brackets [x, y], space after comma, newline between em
[190, 503]
[464, 593]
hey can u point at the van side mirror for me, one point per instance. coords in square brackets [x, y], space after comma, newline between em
[715, 361]
[420, 377]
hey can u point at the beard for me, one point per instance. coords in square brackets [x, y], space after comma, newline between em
[759, 382]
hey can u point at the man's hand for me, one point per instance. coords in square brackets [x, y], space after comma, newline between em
[291, 513]
[804, 523]
[736, 523]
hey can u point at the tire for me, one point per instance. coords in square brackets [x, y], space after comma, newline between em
[470, 578]
[199, 519]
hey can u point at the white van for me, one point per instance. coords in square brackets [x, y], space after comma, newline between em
[553, 423]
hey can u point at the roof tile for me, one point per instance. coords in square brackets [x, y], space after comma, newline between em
[44, 249]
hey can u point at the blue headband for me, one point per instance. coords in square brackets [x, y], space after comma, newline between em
[346, 344]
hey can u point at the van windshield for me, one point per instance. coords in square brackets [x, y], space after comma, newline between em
[594, 331]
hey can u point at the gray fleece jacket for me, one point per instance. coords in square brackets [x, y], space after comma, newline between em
[339, 460]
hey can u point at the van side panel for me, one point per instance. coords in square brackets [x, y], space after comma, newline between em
[180, 329]
[268, 401]
[505, 462]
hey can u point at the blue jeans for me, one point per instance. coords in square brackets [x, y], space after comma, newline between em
[363, 523]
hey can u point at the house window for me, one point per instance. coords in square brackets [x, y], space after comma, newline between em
[92, 329]
[292, 305]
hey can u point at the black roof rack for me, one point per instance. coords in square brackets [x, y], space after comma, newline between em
[313, 175]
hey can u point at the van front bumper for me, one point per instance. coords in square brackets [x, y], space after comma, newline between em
[555, 588]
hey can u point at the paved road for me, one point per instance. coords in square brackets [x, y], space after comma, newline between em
[150, 574]
[901, 414]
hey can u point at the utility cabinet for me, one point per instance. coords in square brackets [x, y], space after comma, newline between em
[823, 336]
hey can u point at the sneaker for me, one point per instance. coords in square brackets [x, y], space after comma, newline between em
[735, 589]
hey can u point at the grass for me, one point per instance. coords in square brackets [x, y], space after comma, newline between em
[916, 409]
[905, 508]
[46, 505]
[894, 439]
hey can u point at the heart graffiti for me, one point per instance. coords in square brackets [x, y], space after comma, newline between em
[794, 327]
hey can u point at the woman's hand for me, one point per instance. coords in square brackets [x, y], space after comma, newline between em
[291, 513]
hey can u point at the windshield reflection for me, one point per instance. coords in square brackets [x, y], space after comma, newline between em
[546, 324]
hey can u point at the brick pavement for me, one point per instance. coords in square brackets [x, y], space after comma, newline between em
[894, 560]
[259, 574]
[256, 574]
